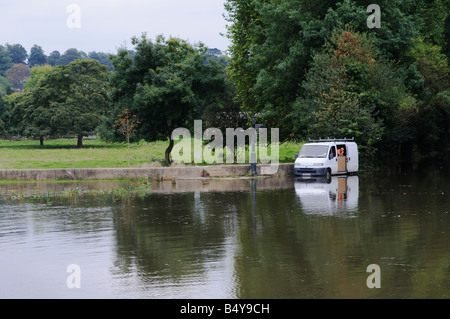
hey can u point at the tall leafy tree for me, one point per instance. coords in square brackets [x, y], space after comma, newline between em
[69, 100]
[446, 44]
[70, 55]
[5, 115]
[17, 53]
[278, 55]
[28, 118]
[166, 84]
[433, 121]
[37, 56]
[78, 95]
[5, 86]
[352, 92]
[101, 57]
[5, 60]
[53, 58]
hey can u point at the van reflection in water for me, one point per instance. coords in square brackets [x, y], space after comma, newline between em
[328, 196]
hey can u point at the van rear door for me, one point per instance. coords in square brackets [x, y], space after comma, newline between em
[352, 161]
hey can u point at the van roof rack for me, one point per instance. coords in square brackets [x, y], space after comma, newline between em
[333, 140]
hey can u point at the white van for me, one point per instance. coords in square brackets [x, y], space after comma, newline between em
[326, 157]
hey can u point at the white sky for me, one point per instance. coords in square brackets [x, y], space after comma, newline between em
[106, 25]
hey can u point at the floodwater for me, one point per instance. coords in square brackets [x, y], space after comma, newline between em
[248, 238]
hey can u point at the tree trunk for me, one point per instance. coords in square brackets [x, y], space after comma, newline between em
[80, 141]
[41, 140]
[169, 150]
[128, 149]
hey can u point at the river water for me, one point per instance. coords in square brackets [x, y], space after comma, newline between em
[264, 238]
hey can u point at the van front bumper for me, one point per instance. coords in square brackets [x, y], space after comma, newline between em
[310, 171]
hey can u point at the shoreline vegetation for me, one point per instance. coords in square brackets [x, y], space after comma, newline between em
[131, 188]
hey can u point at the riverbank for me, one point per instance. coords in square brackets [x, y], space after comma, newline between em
[155, 173]
[63, 154]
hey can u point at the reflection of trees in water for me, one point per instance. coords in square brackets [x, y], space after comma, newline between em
[309, 256]
[171, 236]
[283, 253]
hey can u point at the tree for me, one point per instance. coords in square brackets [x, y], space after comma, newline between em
[37, 56]
[17, 75]
[101, 57]
[5, 60]
[433, 119]
[69, 100]
[272, 46]
[166, 84]
[37, 73]
[244, 20]
[225, 112]
[127, 124]
[78, 97]
[53, 58]
[446, 44]
[277, 56]
[353, 92]
[17, 53]
[273, 43]
[71, 55]
[28, 118]
[5, 86]
[5, 115]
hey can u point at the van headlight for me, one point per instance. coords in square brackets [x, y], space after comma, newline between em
[318, 164]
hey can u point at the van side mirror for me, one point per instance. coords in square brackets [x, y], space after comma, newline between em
[296, 155]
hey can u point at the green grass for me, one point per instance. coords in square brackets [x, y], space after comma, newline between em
[62, 153]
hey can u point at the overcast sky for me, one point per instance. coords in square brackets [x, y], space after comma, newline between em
[105, 25]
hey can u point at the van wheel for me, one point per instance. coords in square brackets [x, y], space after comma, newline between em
[328, 175]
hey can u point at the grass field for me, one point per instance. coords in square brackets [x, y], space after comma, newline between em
[62, 153]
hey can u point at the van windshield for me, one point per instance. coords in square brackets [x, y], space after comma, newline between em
[313, 151]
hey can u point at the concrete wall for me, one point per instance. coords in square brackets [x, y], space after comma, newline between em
[157, 173]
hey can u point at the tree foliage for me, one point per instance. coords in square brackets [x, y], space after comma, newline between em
[293, 66]
[5, 86]
[68, 100]
[17, 75]
[37, 73]
[5, 115]
[17, 53]
[5, 60]
[37, 56]
[166, 84]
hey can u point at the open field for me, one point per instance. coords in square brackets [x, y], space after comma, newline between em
[62, 153]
